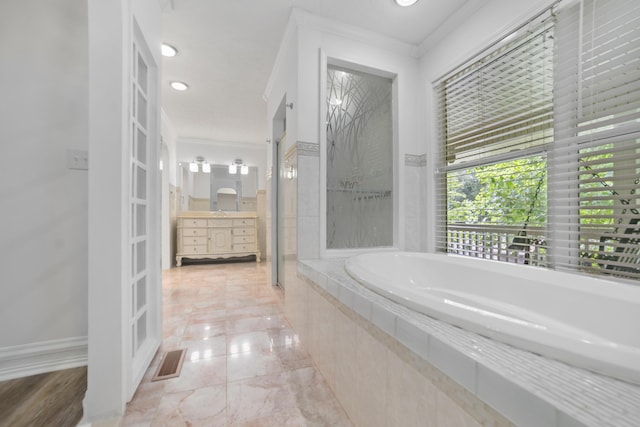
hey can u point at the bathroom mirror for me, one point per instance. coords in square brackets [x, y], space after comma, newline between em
[219, 190]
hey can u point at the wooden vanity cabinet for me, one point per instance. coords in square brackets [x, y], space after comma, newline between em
[217, 235]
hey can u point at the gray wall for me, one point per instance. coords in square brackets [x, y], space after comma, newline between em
[44, 81]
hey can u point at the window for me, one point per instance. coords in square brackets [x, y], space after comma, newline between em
[597, 218]
[540, 145]
[496, 120]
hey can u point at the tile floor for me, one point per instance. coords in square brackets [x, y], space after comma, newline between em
[244, 366]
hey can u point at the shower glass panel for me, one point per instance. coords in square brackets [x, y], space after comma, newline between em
[359, 160]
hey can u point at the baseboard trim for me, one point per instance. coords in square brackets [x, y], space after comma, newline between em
[47, 356]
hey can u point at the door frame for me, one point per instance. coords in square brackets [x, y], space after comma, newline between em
[111, 27]
[279, 129]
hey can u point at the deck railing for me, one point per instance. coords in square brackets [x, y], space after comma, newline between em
[500, 243]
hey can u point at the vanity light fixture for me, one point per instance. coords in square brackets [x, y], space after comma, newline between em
[168, 50]
[180, 86]
[405, 3]
[238, 163]
[200, 161]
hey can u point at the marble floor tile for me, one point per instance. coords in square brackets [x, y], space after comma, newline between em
[204, 348]
[196, 330]
[206, 404]
[244, 366]
[199, 373]
[293, 357]
[258, 397]
[141, 412]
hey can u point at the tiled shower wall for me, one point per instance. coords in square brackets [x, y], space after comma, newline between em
[308, 200]
[413, 171]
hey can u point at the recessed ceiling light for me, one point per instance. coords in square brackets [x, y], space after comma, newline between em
[179, 86]
[168, 50]
[405, 3]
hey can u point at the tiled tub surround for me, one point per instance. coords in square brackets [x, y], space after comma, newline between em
[572, 318]
[389, 365]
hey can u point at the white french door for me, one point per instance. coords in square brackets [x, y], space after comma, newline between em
[144, 281]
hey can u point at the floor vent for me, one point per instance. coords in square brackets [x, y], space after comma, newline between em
[170, 365]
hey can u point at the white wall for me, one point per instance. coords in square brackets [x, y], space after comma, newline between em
[224, 153]
[487, 25]
[307, 40]
[170, 139]
[44, 81]
[169, 180]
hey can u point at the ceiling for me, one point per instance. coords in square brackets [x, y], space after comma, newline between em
[227, 50]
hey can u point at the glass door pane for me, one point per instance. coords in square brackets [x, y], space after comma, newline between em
[359, 160]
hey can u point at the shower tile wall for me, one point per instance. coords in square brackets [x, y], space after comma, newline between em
[308, 200]
[308, 176]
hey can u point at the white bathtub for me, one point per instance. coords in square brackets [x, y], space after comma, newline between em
[583, 321]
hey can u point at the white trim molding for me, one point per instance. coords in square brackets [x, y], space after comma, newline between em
[37, 358]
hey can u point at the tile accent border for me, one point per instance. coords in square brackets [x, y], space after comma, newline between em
[309, 149]
[48, 356]
[415, 160]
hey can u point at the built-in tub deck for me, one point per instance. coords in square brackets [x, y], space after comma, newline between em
[526, 388]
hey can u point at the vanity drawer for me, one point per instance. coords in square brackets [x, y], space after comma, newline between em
[243, 239]
[194, 240]
[243, 231]
[243, 222]
[193, 232]
[244, 247]
[194, 249]
[220, 223]
[193, 222]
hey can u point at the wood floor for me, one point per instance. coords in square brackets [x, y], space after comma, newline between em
[51, 399]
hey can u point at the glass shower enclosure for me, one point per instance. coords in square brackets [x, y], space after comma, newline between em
[359, 159]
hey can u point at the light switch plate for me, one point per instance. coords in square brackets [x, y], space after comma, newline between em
[77, 159]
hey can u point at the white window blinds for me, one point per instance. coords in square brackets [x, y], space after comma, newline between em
[503, 101]
[595, 164]
[496, 119]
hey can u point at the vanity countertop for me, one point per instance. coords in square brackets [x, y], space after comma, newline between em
[217, 214]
